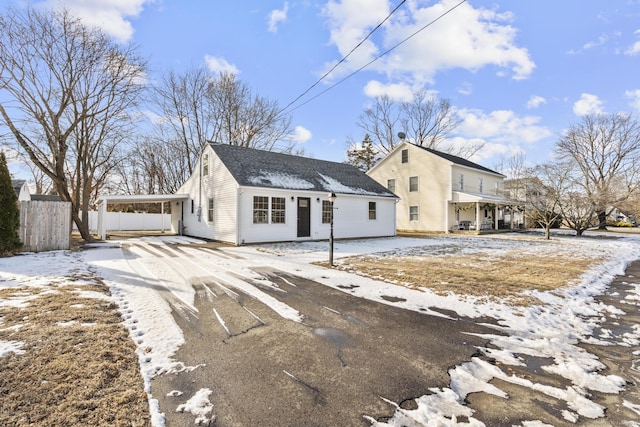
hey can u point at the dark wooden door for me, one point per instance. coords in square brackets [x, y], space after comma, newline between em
[304, 217]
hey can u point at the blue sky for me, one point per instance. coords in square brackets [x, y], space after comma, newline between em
[517, 72]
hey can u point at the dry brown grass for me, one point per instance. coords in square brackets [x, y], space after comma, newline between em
[494, 276]
[79, 367]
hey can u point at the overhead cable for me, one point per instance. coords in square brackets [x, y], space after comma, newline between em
[370, 62]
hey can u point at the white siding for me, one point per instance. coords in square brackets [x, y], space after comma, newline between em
[350, 217]
[218, 184]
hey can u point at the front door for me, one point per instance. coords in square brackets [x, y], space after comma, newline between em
[304, 217]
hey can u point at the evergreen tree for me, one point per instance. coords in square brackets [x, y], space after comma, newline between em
[365, 156]
[9, 213]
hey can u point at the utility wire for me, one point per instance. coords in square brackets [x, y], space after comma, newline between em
[370, 62]
[345, 57]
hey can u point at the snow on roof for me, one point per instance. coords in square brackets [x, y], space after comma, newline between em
[252, 167]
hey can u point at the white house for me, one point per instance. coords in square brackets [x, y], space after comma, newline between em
[22, 189]
[242, 195]
[440, 192]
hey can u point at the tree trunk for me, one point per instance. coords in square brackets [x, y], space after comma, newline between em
[602, 220]
[547, 232]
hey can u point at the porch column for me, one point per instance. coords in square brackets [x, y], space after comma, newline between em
[162, 217]
[478, 222]
[102, 226]
[495, 217]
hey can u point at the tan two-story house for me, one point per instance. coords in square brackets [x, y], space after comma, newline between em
[440, 192]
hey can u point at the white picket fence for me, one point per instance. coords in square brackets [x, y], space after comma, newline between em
[45, 225]
[128, 221]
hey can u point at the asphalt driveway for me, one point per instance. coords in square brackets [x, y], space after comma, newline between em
[333, 368]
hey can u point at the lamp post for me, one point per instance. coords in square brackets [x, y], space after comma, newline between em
[332, 198]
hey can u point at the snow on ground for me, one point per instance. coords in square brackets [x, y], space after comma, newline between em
[552, 330]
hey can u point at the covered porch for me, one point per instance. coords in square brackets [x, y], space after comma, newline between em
[480, 213]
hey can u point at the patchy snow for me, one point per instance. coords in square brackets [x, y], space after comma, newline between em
[281, 180]
[334, 186]
[142, 286]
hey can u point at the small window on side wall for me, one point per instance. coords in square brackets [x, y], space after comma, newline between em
[413, 184]
[205, 165]
[391, 185]
[414, 213]
[405, 156]
[260, 210]
[372, 210]
[326, 212]
[210, 211]
[278, 206]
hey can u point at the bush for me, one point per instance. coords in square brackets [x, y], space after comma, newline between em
[9, 212]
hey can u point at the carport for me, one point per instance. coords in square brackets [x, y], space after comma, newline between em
[103, 202]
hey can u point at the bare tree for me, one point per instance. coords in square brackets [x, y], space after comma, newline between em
[426, 121]
[69, 92]
[606, 150]
[247, 119]
[543, 191]
[197, 107]
[382, 122]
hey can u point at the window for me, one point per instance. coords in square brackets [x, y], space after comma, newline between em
[405, 156]
[480, 185]
[260, 210]
[205, 165]
[413, 213]
[277, 210]
[460, 182]
[391, 185]
[413, 183]
[326, 212]
[372, 210]
[210, 211]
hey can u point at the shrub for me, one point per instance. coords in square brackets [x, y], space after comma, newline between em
[9, 213]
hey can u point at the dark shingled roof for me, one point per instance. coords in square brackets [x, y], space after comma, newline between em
[459, 160]
[257, 168]
[46, 198]
[17, 185]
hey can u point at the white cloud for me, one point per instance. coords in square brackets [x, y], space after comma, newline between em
[465, 89]
[535, 101]
[634, 99]
[503, 126]
[220, 65]
[109, 15]
[587, 104]
[592, 44]
[635, 48]
[397, 92]
[300, 134]
[466, 38]
[276, 17]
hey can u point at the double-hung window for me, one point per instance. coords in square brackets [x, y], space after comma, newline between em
[372, 210]
[460, 182]
[391, 185]
[260, 210]
[413, 184]
[414, 213]
[278, 205]
[210, 210]
[326, 212]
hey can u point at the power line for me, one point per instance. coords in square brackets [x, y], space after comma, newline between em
[370, 62]
[344, 58]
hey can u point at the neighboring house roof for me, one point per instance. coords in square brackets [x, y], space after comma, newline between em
[17, 185]
[257, 168]
[46, 197]
[458, 160]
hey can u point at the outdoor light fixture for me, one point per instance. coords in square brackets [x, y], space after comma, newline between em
[292, 198]
[332, 198]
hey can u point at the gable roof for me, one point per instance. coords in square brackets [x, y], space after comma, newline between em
[17, 185]
[258, 168]
[458, 160]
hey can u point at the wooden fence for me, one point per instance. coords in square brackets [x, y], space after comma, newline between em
[45, 225]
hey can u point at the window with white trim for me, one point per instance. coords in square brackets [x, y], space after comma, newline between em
[326, 212]
[460, 182]
[372, 210]
[413, 183]
[260, 210]
[205, 165]
[480, 185]
[278, 205]
[414, 213]
[210, 210]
